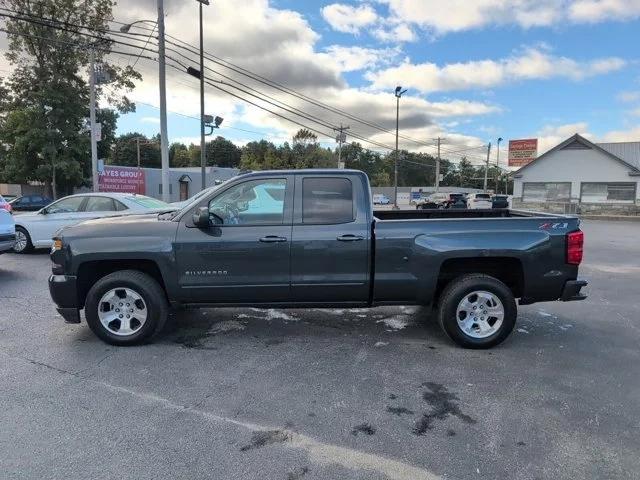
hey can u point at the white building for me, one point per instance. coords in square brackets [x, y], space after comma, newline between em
[580, 176]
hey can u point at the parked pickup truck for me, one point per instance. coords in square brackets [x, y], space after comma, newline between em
[311, 238]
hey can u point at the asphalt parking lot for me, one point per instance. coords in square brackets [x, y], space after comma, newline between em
[328, 394]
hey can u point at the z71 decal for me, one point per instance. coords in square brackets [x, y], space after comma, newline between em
[553, 226]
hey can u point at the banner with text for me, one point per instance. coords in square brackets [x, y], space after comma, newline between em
[522, 152]
[122, 179]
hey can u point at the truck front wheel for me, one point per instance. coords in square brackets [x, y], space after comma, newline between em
[126, 308]
[477, 311]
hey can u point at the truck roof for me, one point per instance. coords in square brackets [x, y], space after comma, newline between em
[302, 171]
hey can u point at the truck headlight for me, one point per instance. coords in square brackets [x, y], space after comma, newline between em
[57, 245]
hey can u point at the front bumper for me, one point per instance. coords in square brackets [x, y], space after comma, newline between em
[6, 242]
[65, 295]
[571, 290]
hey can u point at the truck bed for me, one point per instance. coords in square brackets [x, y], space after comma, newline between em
[418, 214]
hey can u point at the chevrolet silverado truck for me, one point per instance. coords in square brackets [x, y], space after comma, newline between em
[310, 238]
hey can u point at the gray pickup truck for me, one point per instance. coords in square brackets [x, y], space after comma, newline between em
[305, 238]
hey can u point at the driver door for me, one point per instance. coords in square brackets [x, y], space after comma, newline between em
[243, 256]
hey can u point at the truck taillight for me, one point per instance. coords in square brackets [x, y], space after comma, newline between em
[575, 242]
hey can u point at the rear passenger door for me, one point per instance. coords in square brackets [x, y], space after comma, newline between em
[330, 241]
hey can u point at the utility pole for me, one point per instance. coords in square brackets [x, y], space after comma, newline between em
[438, 167]
[486, 167]
[138, 150]
[164, 140]
[203, 145]
[498, 163]
[92, 119]
[341, 138]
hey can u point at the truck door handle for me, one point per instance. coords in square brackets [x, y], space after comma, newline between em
[272, 239]
[350, 238]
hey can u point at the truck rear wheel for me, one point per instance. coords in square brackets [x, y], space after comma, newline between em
[477, 311]
[126, 308]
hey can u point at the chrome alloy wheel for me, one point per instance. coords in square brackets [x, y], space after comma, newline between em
[21, 241]
[480, 314]
[122, 311]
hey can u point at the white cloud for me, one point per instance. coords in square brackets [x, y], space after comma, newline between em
[635, 112]
[349, 59]
[531, 63]
[459, 15]
[593, 11]
[630, 135]
[347, 18]
[629, 96]
[395, 33]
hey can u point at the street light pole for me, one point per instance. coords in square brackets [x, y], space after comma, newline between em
[203, 145]
[438, 167]
[92, 119]
[498, 162]
[164, 140]
[486, 167]
[398, 94]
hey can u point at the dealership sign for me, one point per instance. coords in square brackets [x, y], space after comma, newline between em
[122, 179]
[522, 152]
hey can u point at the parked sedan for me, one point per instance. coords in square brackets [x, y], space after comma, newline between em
[7, 226]
[29, 203]
[34, 230]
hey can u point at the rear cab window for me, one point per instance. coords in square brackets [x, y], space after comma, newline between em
[327, 200]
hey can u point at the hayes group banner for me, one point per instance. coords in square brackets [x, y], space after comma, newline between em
[122, 179]
[522, 152]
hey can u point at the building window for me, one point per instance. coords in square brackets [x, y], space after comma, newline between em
[546, 192]
[608, 192]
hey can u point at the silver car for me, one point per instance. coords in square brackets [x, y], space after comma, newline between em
[34, 230]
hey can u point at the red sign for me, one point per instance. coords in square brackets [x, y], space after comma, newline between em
[122, 179]
[522, 152]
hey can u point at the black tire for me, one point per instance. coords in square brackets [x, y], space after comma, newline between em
[456, 291]
[146, 287]
[29, 247]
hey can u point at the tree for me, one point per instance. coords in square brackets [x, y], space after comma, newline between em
[223, 153]
[44, 127]
[305, 137]
[124, 151]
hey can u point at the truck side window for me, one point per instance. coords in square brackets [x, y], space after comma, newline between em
[327, 200]
[256, 202]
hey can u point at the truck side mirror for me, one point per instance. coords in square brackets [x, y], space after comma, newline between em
[201, 218]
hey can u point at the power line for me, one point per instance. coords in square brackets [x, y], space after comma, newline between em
[273, 84]
[263, 80]
[231, 66]
[286, 108]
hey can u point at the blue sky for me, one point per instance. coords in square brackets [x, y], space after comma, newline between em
[544, 68]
